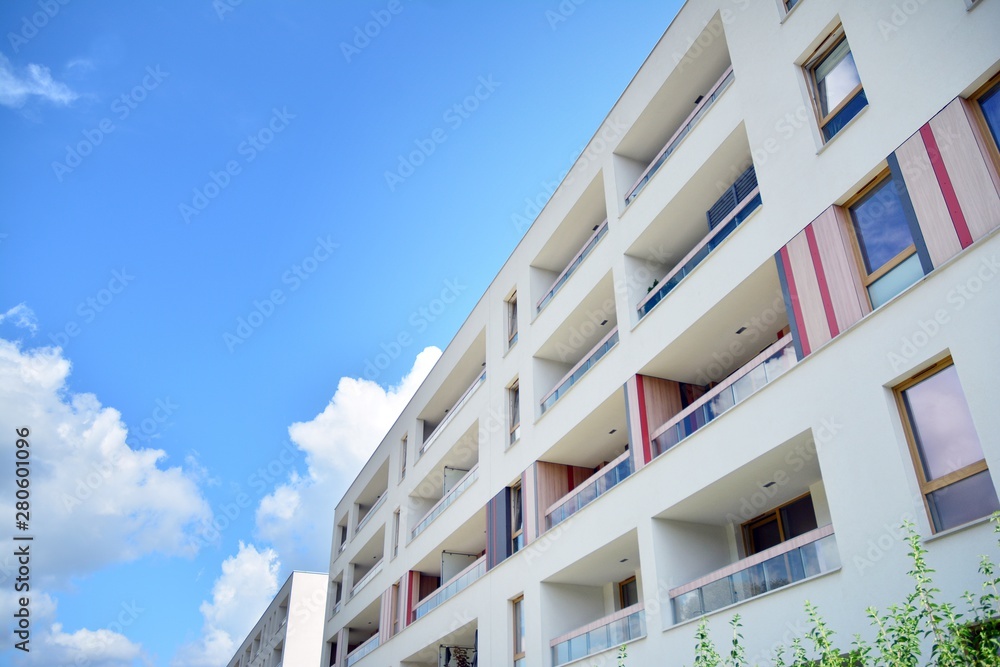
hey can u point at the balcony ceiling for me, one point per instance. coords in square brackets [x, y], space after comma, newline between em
[603, 565]
[590, 441]
[710, 348]
[742, 494]
[469, 538]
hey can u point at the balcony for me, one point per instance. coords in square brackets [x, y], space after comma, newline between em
[463, 399]
[361, 583]
[610, 632]
[685, 129]
[799, 558]
[369, 514]
[588, 491]
[740, 385]
[361, 651]
[742, 199]
[445, 501]
[577, 260]
[580, 369]
[455, 585]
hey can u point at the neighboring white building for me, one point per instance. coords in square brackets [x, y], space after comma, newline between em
[290, 632]
[752, 332]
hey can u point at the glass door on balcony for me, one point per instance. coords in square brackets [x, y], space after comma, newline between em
[782, 523]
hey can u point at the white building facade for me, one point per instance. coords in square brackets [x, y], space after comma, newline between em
[290, 631]
[748, 337]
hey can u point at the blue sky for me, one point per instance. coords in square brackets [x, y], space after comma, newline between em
[216, 217]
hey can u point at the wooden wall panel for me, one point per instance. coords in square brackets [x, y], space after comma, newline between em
[967, 169]
[814, 318]
[635, 414]
[841, 269]
[663, 401]
[928, 202]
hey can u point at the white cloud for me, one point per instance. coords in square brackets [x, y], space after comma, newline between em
[36, 80]
[296, 517]
[96, 501]
[51, 645]
[248, 582]
[21, 317]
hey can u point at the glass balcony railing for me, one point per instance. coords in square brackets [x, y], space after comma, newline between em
[363, 581]
[685, 129]
[758, 372]
[451, 413]
[590, 490]
[799, 558]
[446, 500]
[580, 369]
[361, 651]
[697, 255]
[622, 627]
[455, 585]
[371, 512]
[577, 260]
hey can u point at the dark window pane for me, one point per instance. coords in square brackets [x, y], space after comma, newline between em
[942, 424]
[844, 116]
[990, 103]
[630, 594]
[798, 517]
[967, 500]
[765, 535]
[881, 226]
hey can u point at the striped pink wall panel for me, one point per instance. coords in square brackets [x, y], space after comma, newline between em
[343, 637]
[843, 279]
[967, 166]
[638, 428]
[814, 319]
[928, 202]
[952, 183]
[385, 616]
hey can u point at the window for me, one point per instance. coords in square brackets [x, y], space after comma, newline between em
[395, 533]
[514, 411]
[947, 455]
[394, 608]
[343, 537]
[836, 85]
[989, 104]
[782, 523]
[512, 320]
[402, 457]
[884, 245]
[516, 520]
[518, 613]
[789, 4]
[628, 593]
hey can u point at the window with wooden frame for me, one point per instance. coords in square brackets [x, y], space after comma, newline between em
[837, 92]
[402, 457]
[947, 455]
[512, 320]
[988, 103]
[784, 522]
[516, 519]
[395, 533]
[517, 609]
[628, 593]
[514, 411]
[883, 243]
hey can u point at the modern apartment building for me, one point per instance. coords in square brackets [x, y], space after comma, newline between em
[290, 630]
[749, 335]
